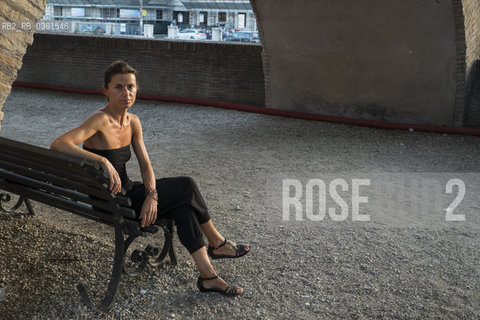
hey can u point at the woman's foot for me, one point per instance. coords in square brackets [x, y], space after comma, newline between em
[228, 249]
[217, 284]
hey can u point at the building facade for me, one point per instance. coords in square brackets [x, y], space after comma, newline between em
[131, 17]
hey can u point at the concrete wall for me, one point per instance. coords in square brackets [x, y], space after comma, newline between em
[14, 44]
[385, 60]
[201, 70]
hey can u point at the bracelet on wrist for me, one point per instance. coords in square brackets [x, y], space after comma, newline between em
[152, 194]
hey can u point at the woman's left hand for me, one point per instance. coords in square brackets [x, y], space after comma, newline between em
[148, 214]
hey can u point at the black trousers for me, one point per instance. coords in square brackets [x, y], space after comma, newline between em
[178, 199]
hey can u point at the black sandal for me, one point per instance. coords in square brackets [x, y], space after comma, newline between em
[229, 291]
[239, 250]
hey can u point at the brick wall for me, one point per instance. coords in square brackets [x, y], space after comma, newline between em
[14, 44]
[460, 93]
[200, 70]
[265, 60]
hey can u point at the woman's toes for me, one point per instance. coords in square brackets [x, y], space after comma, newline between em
[232, 249]
[234, 290]
[220, 285]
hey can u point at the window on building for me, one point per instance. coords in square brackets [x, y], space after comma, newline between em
[109, 13]
[160, 14]
[222, 17]
[77, 12]
[203, 18]
[241, 20]
[57, 11]
[181, 17]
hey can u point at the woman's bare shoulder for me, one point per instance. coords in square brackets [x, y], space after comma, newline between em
[98, 118]
[133, 116]
[100, 113]
[135, 120]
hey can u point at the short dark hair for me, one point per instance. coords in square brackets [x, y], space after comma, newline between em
[117, 67]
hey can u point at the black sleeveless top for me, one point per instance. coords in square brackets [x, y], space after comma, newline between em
[118, 158]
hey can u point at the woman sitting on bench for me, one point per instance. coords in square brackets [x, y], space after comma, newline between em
[106, 138]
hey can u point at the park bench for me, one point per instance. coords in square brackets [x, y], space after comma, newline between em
[81, 187]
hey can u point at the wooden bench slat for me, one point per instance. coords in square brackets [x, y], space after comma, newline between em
[55, 171]
[52, 189]
[50, 162]
[64, 204]
[53, 200]
[51, 158]
[54, 179]
[17, 146]
[122, 200]
[62, 182]
[17, 186]
[54, 158]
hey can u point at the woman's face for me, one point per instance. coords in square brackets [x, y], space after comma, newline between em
[122, 90]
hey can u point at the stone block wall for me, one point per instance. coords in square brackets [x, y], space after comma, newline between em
[14, 44]
[471, 12]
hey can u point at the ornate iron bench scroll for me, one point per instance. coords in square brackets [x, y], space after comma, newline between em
[81, 187]
[6, 198]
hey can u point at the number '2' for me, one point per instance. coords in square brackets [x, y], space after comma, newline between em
[449, 216]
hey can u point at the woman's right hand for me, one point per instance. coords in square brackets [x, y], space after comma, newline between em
[115, 182]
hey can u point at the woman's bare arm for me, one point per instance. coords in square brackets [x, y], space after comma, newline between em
[149, 208]
[148, 176]
[68, 143]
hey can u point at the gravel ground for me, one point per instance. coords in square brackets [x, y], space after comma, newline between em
[407, 262]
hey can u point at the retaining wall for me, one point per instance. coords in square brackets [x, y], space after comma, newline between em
[200, 70]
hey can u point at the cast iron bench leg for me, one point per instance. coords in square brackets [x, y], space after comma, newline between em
[171, 250]
[168, 246]
[114, 279]
[29, 206]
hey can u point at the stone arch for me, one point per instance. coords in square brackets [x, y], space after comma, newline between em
[13, 45]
